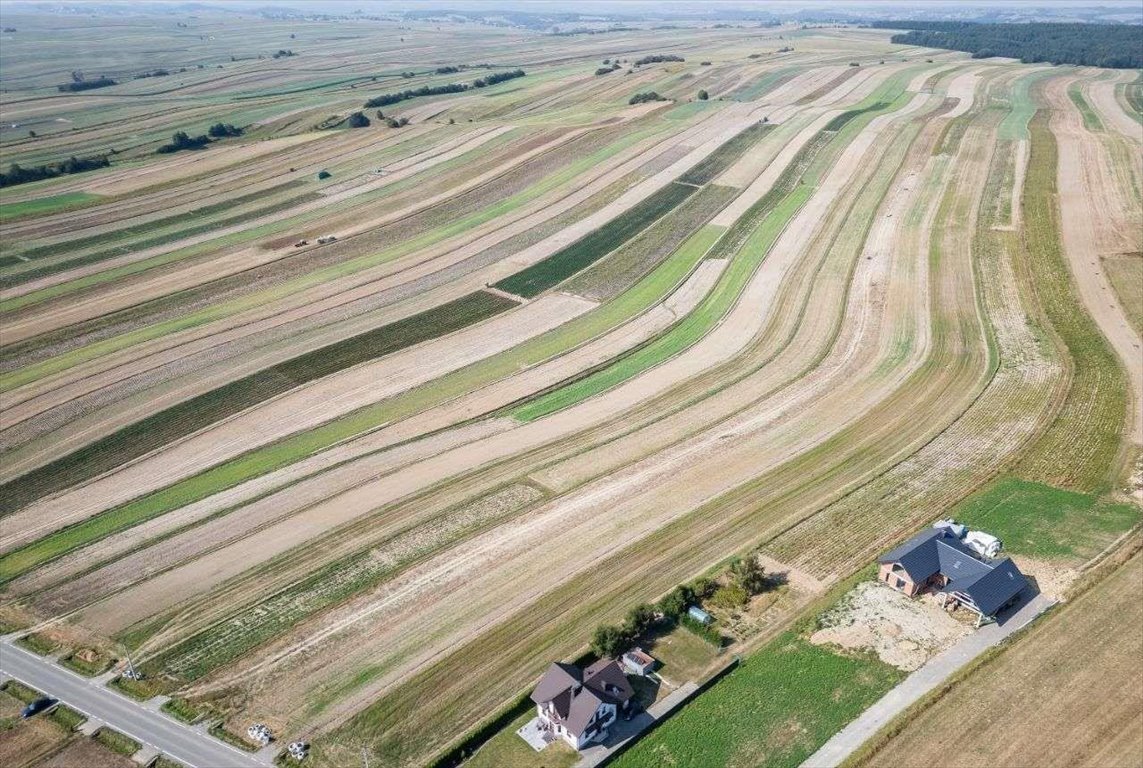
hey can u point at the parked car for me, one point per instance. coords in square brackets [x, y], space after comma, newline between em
[37, 706]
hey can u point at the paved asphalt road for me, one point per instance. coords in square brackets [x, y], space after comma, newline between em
[191, 747]
[912, 688]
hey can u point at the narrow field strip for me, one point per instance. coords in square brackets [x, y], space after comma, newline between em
[192, 415]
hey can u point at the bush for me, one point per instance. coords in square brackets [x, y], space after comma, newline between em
[181, 140]
[703, 587]
[675, 603]
[646, 96]
[640, 619]
[610, 640]
[357, 120]
[323, 175]
[729, 597]
[85, 85]
[703, 95]
[657, 58]
[220, 130]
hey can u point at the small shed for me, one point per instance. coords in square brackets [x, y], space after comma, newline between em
[638, 662]
[699, 615]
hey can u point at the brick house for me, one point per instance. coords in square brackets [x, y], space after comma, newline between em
[937, 560]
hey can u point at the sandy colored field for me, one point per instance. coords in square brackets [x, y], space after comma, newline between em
[1086, 652]
[727, 339]
[1096, 221]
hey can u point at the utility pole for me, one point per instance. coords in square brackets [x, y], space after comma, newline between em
[130, 667]
[365, 756]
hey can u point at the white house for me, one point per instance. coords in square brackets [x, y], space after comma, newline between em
[579, 706]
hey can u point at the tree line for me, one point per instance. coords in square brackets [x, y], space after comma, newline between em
[18, 174]
[386, 99]
[656, 58]
[1114, 46]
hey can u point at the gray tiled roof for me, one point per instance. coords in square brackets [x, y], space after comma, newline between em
[993, 588]
[932, 551]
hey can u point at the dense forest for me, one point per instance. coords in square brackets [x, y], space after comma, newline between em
[1115, 46]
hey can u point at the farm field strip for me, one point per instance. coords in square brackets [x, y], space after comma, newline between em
[802, 317]
[335, 289]
[373, 496]
[309, 405]
[365, 720]
[704, 149]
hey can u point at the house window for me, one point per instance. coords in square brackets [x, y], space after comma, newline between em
[900, 583]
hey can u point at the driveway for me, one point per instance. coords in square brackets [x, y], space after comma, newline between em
[924, 680]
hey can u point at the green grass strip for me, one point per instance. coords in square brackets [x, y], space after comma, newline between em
[44, 205]
[746, 243]
[722, 158]
[1046, 522]
[592, 247]
[1091, 120]
[198, 412]
[1088, 428]
[692, 328]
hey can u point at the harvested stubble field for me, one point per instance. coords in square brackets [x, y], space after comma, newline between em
[564, 353]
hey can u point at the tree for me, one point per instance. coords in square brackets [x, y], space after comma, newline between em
[640, 619]
[748, 574]
[675, 603]
[703, 587]
[703, 95]
[609, 640]
[357, 120]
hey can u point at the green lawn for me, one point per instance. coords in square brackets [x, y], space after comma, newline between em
[775, 710]
[1042, 521]
[507, 750]
[682, 655]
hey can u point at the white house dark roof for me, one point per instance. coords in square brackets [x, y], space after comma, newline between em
[934, 550]
[576, 694]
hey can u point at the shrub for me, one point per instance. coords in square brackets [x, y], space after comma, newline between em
[675, 603]
[357, 120]
[323, 175]
[640, 619]
[730, 596]
[181, 140]
[703, 95]
[748, 574]
[85, 85]
[646, 96]
[703, 587]
[656, 58]
[220, 130]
